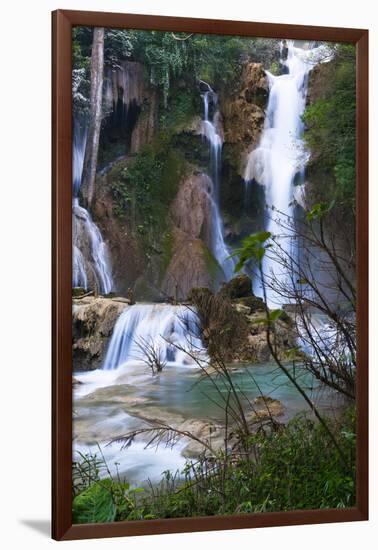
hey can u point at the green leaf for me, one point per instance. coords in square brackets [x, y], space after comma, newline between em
[275, 314]
[252, 248]
[95, 504]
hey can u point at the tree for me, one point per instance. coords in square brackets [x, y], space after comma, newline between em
[95, 114]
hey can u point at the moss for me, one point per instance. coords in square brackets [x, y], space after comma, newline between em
[253, 302]
[78, 291]
[184, 104]
[144, 290]
[212, 266]
[191, 146]
[166, 254]
[239, 287]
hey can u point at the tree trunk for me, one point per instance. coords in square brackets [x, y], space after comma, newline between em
[91, 150]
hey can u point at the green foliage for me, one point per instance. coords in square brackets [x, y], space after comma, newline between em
[165, 57]
[95, 504]
[291, 468]
[81, 61]
[318, 211]
[274, 68]
[118, 45]
[215, 59]
[330, 126]
[143, 189]
[85, 472]
[294, 468]
[252, 247]
[179, 112]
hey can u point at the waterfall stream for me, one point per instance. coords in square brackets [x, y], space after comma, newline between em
[173, 333]
[211, 132]
[280, 157]
[90, 264]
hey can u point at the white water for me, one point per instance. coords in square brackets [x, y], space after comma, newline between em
[171, 330]
[98, 250]
[213, 136]
[85, 230]
[138, 463]
[281, 154]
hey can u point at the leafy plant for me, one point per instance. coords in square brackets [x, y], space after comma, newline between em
[95, 504]
[252, 247]
[331, 126]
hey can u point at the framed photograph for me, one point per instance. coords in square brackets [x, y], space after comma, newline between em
[210, 274]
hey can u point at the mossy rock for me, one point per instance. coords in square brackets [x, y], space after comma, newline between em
[110, 295]
[197, 294]
[78, 291]
[239, 287]
[253, 302]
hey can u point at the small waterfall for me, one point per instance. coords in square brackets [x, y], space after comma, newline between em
[212, 133]
[91, 263]
[85, 230]
[281, 155]
[171, 330]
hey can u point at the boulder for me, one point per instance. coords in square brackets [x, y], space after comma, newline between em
[239, 287]
[93, 321]
[265, 407]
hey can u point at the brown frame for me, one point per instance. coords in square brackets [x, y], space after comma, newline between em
[62, 22]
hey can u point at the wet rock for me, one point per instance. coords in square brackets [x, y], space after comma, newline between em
[93, 320]
[244, 113]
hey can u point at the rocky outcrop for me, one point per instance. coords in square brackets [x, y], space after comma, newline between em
[234, 328]
[317, 79]
[191, 209]
[127, 258]
[93, 321]
[191, 264]
[243, 113]
[238, 287]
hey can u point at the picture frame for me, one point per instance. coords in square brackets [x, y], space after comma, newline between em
[62, 23]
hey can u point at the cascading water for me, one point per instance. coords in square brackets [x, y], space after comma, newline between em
[94, 266]
[172, 331]
[281, 156]
[213, 136]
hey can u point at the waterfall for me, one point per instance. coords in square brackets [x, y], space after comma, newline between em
[170, 330]
[90, 263]
[281, 156]
[211, 132]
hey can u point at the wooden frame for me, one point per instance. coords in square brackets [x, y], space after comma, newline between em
[62, 22]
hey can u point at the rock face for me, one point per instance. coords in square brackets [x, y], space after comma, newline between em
[93, 322]
[127, 261]
[191, 209]
[191, 264]
[244, 114]
[170, 268]
[318, 77]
